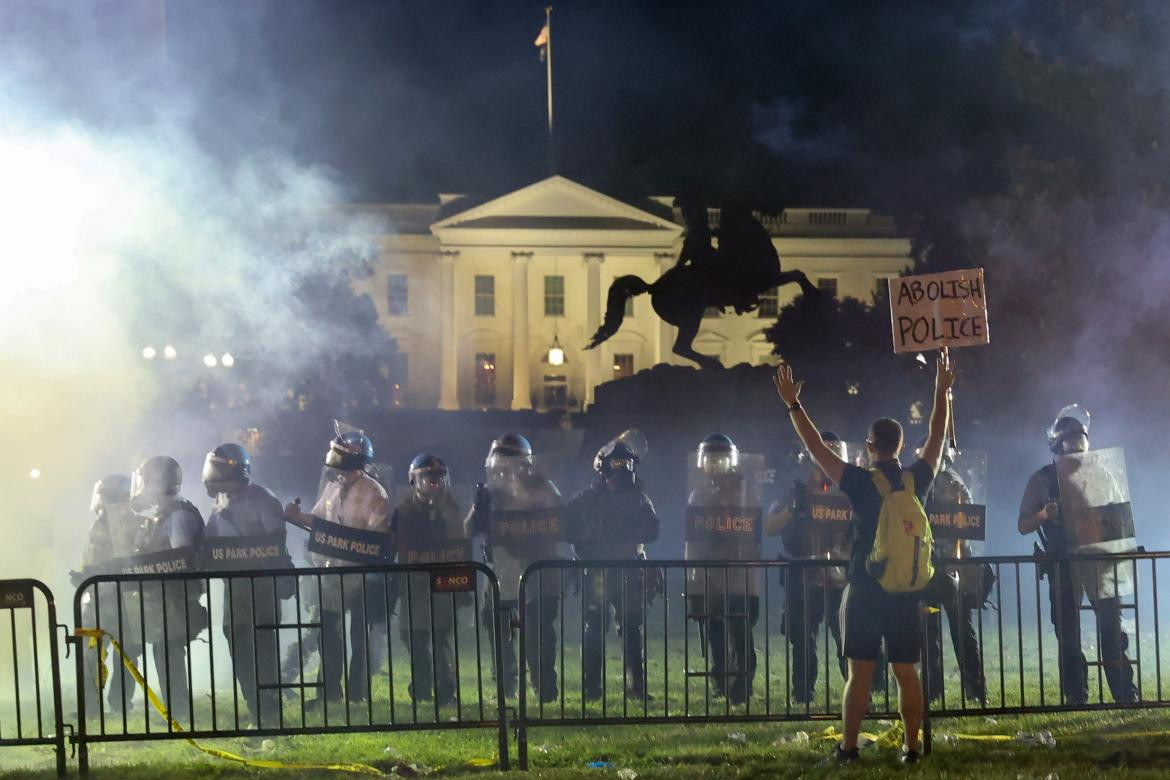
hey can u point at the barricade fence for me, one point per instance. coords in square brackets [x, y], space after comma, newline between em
[30, 670]
[310, 651]
[386, 648]
[714, 641]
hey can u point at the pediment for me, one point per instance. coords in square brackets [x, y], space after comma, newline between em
[555, 203]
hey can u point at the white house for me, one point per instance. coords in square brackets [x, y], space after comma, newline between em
[476, 294]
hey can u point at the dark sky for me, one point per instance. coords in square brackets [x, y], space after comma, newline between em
[818, 103]
[838, 102]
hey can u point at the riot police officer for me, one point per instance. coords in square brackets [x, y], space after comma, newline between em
[726, 601]
[957, 590]
[1041, 512]
[352, 498]
[111, 537]
[428, 529]
[528, 503]
[611, 520]
[247, 520]
[173, 614]
[811, 595]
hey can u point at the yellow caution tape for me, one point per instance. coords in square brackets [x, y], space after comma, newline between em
[97, 634]
[892, 737]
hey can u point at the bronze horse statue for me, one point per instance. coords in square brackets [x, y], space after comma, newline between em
[744, 266]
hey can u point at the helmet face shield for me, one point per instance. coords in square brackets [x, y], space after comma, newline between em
[719, 462]
[431, 483]
[220, 474]
[501, 466]
[342, 476]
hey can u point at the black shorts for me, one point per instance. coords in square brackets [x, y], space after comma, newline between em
[869, 615]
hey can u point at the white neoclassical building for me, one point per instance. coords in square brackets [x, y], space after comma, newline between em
[478, 292]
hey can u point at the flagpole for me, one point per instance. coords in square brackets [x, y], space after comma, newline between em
[548, 78]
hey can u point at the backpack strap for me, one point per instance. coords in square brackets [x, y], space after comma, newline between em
[882, 483]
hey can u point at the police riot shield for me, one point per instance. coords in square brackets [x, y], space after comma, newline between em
[724, 514]
[1098, 517]
[828, 509]
[957, 505]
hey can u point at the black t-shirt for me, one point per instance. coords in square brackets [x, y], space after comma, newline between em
[857, 483]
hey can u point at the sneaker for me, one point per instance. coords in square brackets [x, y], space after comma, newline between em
[840, 756]
[908, 757]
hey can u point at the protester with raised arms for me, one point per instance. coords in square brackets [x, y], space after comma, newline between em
[890, 559]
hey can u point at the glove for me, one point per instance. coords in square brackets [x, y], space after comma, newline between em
[481, 510]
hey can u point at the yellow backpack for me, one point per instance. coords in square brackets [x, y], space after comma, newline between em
[901, 557]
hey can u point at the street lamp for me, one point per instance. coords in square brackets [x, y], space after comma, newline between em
[227, 361]
[556, 353]
[169, 352]
[149, 353]
[210, 360]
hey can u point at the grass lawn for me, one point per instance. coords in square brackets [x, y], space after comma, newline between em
[1087, 744]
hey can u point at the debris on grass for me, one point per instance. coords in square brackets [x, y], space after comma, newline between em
[626, 774]
[738, 737]
[1044, 738]
[600, 765]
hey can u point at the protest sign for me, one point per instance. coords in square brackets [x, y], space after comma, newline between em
[946, 309]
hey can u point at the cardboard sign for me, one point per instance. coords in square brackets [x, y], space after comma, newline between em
[957, 521]
[723, 524]
[265, 551]
[929, 311]
[177, 561]
[527, 527]
[461, 580]
[831, 508]
[356, 545]
[16, 595]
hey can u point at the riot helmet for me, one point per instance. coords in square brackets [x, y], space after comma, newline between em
[349, 451]
[834, 443]
[1069, 432]
[226, 468]
[949, 453]
[429, 476]
[616, 463]
[718, 455]
[509, 457]
[633, 440]
[154, 484]
[114, 489]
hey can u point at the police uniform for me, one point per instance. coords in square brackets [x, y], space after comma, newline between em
[605, 524]
[252, 511]
[418, 529]
[363, 505]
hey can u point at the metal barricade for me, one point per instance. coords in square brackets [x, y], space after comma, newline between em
[30, 671]
[717, 641]
[306, 651]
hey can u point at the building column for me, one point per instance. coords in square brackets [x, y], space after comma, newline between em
[665, 334]
[521, 373]
[448, 342]
[594, 374]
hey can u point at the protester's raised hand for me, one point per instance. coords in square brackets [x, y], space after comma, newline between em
[787, 387]
[945, 370]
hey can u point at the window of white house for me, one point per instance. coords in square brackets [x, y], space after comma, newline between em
[828, 285]
[554, 296]
[485, 296]
[623, 366]
[769, 303]
[485, 379]
[397, 295]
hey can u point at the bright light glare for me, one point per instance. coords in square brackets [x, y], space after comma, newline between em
[210, 360]
[227, 360]
[149, 353]
[34, 473]
[556, 356]
[169, 352]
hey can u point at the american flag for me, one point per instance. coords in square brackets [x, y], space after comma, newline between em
[541, 42]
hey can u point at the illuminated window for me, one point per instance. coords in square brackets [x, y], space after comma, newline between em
[556, 391]
[623, 366]
[828, 285]
[485, 296]
[485, 378]
[769, 303]
[554, 296]
[397, 299]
